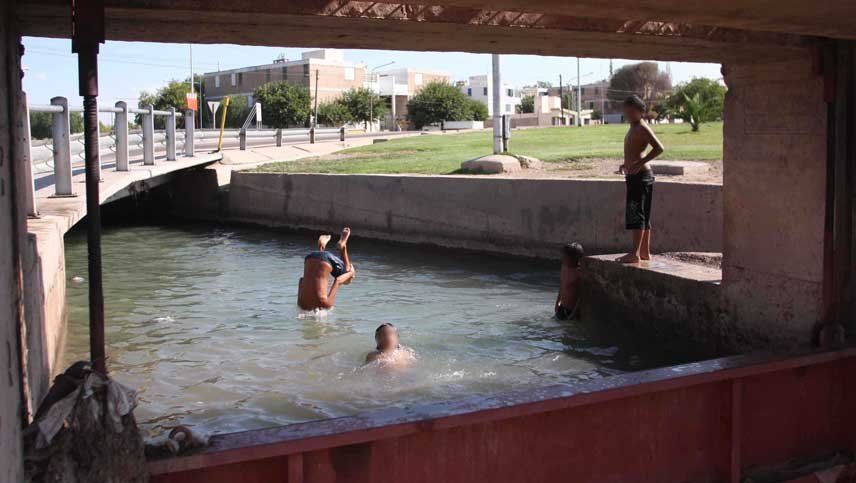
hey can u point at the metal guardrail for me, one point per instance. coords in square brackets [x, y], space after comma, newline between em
[56, 154]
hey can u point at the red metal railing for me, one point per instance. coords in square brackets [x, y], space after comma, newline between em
[706, 421]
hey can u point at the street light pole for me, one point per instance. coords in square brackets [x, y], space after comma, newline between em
[579, 96]
[372, 81]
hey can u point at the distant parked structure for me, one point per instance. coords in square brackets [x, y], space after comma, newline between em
[335, 76]
[480, 88]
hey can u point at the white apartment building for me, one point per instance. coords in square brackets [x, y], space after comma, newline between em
[480, 88]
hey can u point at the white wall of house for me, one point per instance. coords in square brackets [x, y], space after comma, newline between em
[480, 88]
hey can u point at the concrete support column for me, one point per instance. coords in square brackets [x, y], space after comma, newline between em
[189, 126]
[149, 136]
[278, 137]
[121, 127]
[61, 135]
[170, 135]
[497, 106]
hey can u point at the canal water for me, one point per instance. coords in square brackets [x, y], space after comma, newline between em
[203, 322]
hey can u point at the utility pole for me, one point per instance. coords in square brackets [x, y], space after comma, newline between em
[315, 107]
[579, 96]
[192, 92]
[497, 117]
[561, 102]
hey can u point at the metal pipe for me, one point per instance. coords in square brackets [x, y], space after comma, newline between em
[148, 122]
[87, 66]
[189, 126]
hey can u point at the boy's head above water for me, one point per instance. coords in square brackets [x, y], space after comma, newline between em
[634, 108]
[386, 337]
[572, 253]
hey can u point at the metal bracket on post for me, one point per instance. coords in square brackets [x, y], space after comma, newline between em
[149, 135]
[242, 138]
[278, 137]
[311, 135]
[121, 127]
[170, 135]
[189, 127]
[61, 149]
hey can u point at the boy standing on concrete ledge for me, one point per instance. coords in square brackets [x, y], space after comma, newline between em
[639, 178]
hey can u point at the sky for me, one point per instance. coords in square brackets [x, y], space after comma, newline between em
[127, 68]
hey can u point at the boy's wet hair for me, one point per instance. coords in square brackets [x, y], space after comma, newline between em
[574, 252]
[380, 328]
[635, 102]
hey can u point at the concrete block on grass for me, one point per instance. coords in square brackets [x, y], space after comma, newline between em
[492, 164]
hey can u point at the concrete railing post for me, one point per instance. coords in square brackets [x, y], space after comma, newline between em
[311, 135]
[278, 137]
[170, 135]
[61, 148]
[149, 136]
[121, 127]
[242, 138]
[342, 133]
[189, 127]
[32, 209]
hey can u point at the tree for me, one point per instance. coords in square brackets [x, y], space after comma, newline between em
[697, 101]
[174, 94]
[364, 105]
[333, 113]
[284, 104]
[40, 124]
[527, 105]
[440, 101]
[643, 79]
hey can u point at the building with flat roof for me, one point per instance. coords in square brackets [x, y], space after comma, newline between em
[401, 85]
[480, 88]
[323, 71]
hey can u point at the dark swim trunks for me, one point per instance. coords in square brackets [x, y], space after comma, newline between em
[640, 191]
[334, 261]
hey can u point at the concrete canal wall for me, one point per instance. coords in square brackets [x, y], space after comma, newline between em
[529, 217]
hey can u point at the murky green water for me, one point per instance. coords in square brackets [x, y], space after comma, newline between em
[203, 322]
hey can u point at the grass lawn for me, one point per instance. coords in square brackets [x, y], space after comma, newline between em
[443, 154]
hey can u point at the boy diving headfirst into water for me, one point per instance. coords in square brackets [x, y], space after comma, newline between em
[318, 266]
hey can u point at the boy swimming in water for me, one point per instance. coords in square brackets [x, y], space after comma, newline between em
[318, 266]
[388, 349]
[568, 301]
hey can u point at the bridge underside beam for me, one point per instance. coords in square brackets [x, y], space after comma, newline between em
[378, 25]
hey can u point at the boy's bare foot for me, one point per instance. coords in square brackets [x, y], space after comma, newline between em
[343, 238]
[645, 256]
[629, 258]
[323, 240]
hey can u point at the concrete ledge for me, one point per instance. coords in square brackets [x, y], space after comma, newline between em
[676, 304]
[679, 168]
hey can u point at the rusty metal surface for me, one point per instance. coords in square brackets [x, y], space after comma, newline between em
[701, 421]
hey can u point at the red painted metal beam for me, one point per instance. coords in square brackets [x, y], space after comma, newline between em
[708, 420]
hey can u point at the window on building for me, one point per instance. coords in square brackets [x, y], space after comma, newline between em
[509, 92]
[267, 76]
[508, 108]
[470, 91]
[597, 91]
[285, 73]
[582, 90]
[217, 81]
[349, 73]
[234, 78]
[591, 105]
[417, 79]
[485, 91]
[240, 78]
[306, 70]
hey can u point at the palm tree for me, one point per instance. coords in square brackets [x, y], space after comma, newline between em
[695, 110]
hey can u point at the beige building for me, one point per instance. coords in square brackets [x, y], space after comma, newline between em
[334, 76]
[401, 85]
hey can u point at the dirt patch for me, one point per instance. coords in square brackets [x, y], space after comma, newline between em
[608, 169]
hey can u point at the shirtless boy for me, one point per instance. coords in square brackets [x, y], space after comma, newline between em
[318, 266]
[387, 348]
[567, 303]
[639, 178]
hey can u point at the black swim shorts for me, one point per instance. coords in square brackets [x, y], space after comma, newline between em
[334, 261]
[640, 190]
